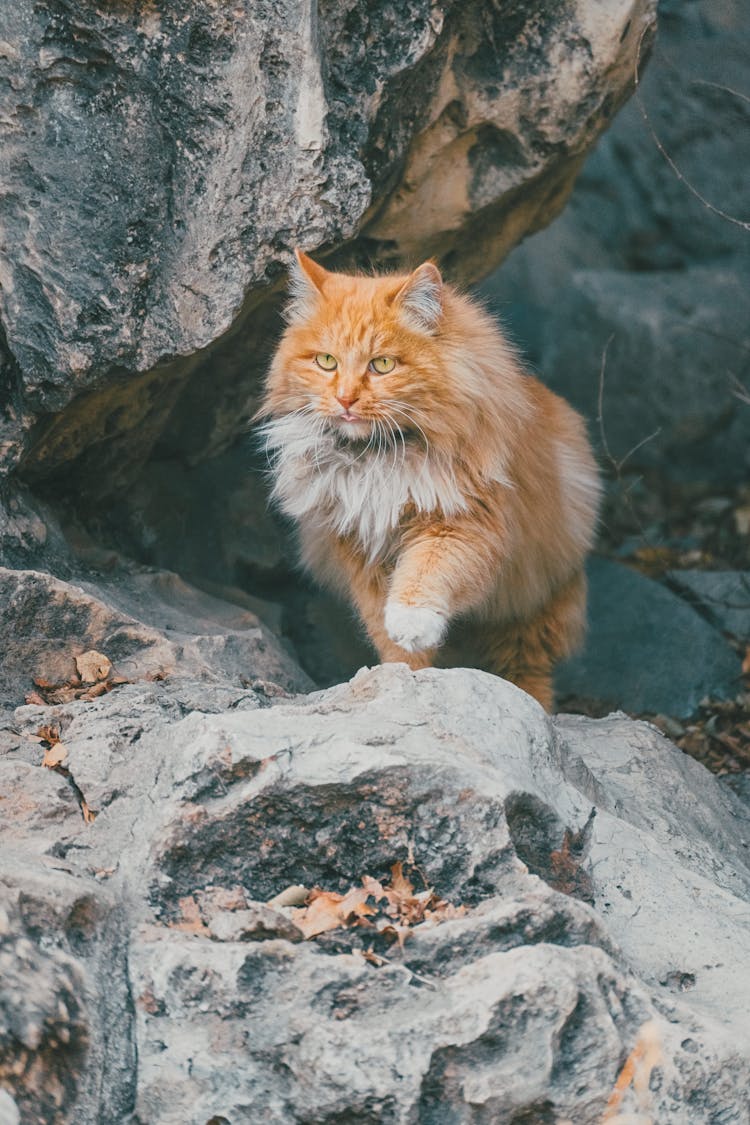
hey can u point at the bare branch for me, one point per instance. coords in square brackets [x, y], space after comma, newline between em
[680, 176]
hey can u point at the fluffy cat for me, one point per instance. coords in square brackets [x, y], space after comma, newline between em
[451, 496]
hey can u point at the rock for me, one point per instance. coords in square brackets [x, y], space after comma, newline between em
[722, 596]
[639, 255]
[190, 633]
[584, 932]
[641, 646]
[680, 333]
[258, 923]
[141, 279]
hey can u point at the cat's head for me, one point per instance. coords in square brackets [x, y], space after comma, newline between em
[362, 353]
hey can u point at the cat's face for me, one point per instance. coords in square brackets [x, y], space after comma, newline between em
[361, 355]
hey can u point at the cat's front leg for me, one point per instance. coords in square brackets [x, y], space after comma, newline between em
[441, 572]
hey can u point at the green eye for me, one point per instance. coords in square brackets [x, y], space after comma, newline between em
[382, 364]
[326, 361]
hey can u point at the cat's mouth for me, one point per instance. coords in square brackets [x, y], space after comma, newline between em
[352, 426]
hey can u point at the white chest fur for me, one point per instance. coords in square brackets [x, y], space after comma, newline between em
[354, 490]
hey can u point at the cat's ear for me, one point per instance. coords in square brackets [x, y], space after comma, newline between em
[306, 280]
[421, 298]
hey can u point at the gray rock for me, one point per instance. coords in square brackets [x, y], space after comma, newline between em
[524, 1007]
[722, 596]
[673, 344]
[256, 923]
[646, 649]
[188, 634]
[175, 161]
[664, 268]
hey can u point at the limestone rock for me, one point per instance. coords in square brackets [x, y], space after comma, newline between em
[172, 160]
[672, 345]
[604, 877]
[147, 623]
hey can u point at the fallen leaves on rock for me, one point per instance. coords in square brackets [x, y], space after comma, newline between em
[390, 908]
[94, 677]
[93, 666]
[55, 756]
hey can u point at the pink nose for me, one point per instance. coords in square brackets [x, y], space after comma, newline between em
[347, 400]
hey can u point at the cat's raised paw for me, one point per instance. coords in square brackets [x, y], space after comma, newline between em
[414, 628]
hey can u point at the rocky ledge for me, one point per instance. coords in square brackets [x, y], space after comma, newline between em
[592, 881]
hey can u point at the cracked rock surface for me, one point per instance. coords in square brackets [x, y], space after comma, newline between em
[143, 968]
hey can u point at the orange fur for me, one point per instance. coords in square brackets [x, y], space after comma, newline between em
[453, 499]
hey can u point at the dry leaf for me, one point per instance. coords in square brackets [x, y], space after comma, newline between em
[48, 733]
[54, 755]
[400, 885]
[35, 698]
[95, 691]
[88, 814]
[398, 906]
[93, 666]
[636, 1071]
[327, 910]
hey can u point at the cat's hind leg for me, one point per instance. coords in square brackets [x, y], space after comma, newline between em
[525, 652]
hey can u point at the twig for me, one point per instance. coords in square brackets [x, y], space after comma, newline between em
[680, 176]
[616, 465]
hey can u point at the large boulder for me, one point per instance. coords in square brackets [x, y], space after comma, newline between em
[600, 880]
[653, 252]
[161, 166]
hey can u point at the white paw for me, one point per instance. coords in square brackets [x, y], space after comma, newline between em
[414, 627]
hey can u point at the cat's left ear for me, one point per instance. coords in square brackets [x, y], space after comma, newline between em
[306, 280]
[421, 298]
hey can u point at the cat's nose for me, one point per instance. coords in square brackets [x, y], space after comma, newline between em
[347, 400]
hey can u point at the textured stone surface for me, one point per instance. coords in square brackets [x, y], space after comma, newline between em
[661, 265]
[672, 347]
[722, 596]
[208, 142]
[148, 623]
[522, 1009]
[647, 650]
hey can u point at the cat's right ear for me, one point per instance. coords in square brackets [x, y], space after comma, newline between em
[421, 298]
[306, 280]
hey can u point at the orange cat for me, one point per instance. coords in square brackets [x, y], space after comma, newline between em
[451, 496]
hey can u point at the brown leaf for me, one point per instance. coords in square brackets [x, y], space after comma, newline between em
[93, 666]
[95, 691]
[88, 814]
[400, 885]
[49, 733]
[54, 755]
[45, 685]
[328, 910]
[63, 695]
[35, 698]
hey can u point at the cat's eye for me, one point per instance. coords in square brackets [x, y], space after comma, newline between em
[326, 362]
[382, 364]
